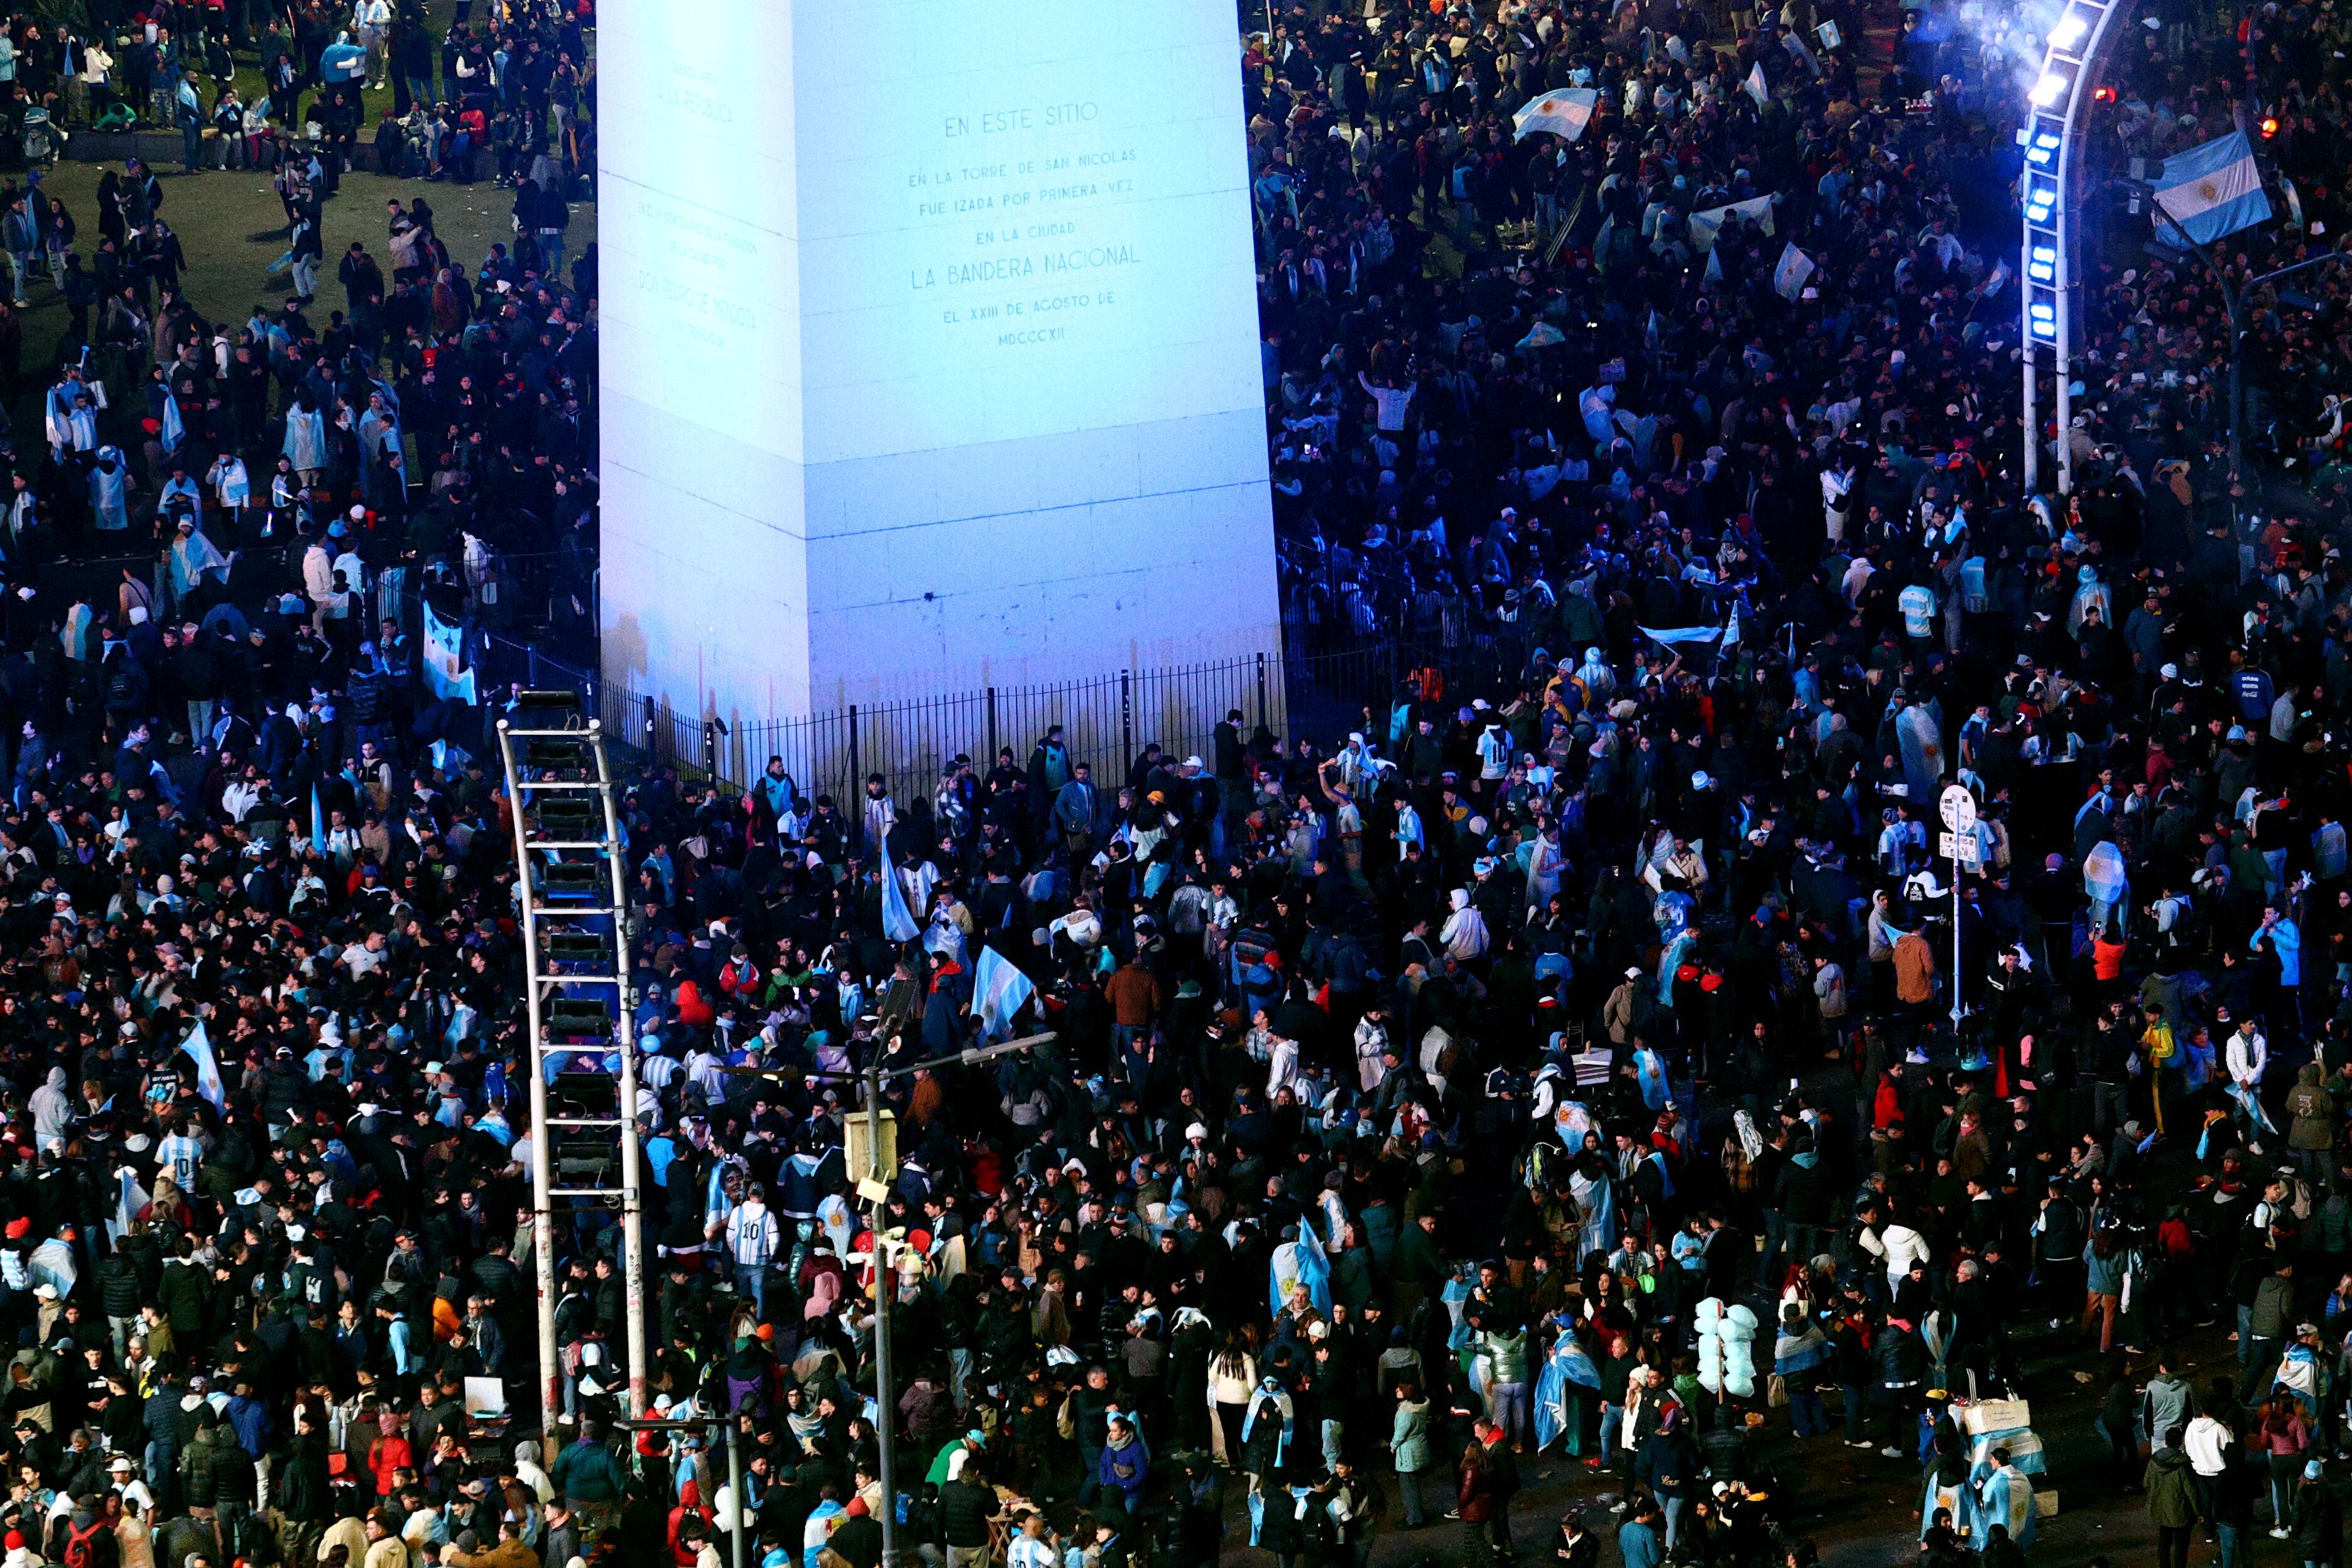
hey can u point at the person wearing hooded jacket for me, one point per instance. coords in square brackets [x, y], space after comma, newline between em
[52, 1107]
[1409, 1448]
[2171, 1500]
[2318, 1518]
[1464, 932]
[2312, 1130]
[1669, 1466]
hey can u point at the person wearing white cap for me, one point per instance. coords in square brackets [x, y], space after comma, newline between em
[1620, 1014]
[123, 1477]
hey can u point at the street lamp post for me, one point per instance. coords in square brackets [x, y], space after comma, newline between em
[885, 1291]
[735, 1514]
[886, 1288]
[873, 1079]
[2075, 48]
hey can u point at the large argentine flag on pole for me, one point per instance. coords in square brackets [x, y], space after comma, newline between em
[2213, 189]
[1565, 113]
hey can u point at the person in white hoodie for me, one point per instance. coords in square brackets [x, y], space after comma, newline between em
[1893, 1241]
[1465, 935]
[2248, 1055]
[52, 1107]
[2207, 1442]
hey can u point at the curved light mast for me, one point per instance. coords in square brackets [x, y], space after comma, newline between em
[2046, 264]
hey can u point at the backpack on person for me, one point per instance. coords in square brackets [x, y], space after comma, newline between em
[81, 1544]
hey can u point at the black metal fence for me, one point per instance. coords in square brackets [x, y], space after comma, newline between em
[1317, 690]
[1106, 721]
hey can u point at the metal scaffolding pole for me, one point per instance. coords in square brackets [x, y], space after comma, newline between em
[633, 1229]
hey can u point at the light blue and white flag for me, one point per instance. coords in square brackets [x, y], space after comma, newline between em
[2103, 875]
[999, 993]
[318, 824]
[343, 60]
[1296, 1263]
[2213, 189]
[2024, 1449]
[1567, 1364]
[1789, 275]
[53, 1263]
[131, 1200]
[1564, 111]
[1705, 224]
[897, 919]
[199, 1048]
[1674, 636]
[446, 670]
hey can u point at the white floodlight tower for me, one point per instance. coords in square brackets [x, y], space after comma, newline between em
[2046, 267]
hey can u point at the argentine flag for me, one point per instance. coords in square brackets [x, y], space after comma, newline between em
[897, 919]
[1000, 992]
[199, 1048]
[2213, 189]
[1296, 1263]
[1569, 1364]
[1564, 111]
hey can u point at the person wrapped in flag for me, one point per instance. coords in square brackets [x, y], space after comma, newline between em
[1568, 1379]
[2004, 1496]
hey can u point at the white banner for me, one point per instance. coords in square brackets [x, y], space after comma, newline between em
[1706, 225]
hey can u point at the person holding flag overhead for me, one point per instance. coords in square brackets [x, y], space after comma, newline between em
[1299, 1269]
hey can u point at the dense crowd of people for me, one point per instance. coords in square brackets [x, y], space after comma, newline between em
[1588, 1050]
[459, 98]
